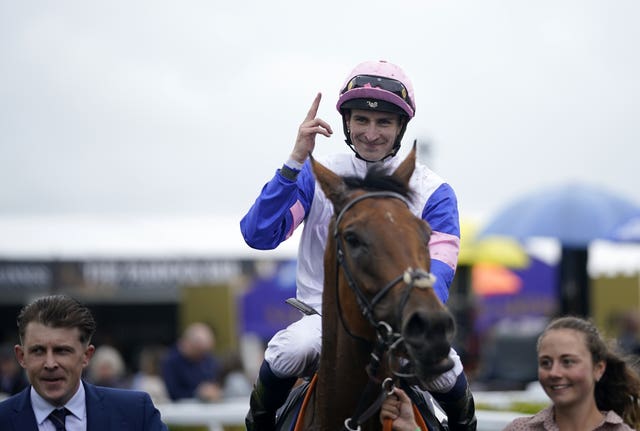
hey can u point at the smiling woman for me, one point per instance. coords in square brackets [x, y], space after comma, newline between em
[591, 387]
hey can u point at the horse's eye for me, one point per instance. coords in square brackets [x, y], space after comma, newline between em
[352, 239]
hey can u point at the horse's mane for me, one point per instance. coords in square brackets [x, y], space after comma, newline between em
[378, 179]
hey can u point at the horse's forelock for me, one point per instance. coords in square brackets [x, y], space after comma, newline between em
[377, 179]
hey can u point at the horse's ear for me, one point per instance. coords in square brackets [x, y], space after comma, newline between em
[332, 185]
[405, 170]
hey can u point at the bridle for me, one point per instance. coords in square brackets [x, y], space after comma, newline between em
[386, 339]
[412, 277]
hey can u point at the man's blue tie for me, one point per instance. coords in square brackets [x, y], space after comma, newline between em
[58, 417]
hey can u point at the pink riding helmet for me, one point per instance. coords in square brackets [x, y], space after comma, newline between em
[378, 80]
[377, 86]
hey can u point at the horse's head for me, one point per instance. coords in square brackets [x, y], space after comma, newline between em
[384, 287]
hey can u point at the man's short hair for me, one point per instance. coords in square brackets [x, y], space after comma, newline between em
[58, 311]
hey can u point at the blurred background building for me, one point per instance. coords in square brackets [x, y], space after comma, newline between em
[146, 281]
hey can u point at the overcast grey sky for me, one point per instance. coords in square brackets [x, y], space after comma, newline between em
[159, 107]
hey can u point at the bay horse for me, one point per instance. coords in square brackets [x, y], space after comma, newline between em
[382, 322]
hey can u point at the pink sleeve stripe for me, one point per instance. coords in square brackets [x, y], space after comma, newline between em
[445, 247]
[297, 212]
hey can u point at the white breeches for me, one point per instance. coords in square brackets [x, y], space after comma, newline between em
[295, 350]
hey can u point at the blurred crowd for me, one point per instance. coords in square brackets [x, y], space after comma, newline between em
[188, 370]
[191, 370]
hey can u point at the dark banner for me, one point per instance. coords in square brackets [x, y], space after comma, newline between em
[38, 276]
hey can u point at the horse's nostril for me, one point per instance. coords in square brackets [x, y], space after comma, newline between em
[415, 326]
[427, 337]
[421, 325]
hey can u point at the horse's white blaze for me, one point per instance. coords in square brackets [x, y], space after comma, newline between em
[389, 217]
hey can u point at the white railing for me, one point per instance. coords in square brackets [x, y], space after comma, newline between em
[231, 412]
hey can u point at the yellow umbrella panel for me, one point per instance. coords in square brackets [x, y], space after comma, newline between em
[497, 250]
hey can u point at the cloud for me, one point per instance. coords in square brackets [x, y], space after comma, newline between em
[155, 107]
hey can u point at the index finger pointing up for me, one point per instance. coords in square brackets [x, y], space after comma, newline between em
[313, 111]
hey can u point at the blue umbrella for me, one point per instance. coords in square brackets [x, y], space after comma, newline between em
[627, 231]
[575, 214]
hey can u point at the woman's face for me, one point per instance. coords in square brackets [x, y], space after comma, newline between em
[565, 368]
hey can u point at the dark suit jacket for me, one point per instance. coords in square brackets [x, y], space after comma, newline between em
[108, 409]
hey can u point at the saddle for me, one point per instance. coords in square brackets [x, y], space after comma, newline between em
[287, 415]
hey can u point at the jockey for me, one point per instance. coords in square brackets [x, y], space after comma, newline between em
[376, 103]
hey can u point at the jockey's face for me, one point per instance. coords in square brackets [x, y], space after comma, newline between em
[373, 133]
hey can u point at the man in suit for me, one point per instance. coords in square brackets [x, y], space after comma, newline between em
[55, 347]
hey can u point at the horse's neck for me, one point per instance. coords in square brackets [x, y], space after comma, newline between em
[342, 374]
[342, 379]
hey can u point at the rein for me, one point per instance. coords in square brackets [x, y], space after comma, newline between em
[387, 340]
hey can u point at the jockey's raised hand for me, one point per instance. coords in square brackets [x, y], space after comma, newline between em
[310, 127]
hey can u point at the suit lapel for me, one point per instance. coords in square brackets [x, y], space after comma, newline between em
[24, 419]
[97, 416]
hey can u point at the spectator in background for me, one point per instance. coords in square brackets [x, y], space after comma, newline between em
[591, 386]
[190, 371]
[148, 377]
[12, 376]
[107, 368]
[55, 348]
